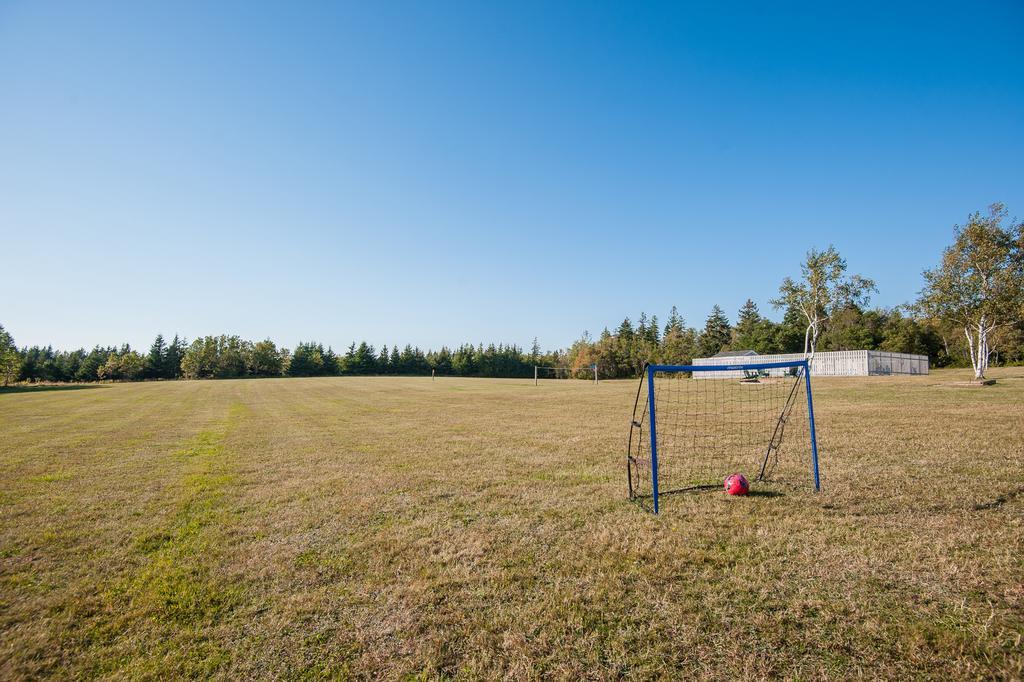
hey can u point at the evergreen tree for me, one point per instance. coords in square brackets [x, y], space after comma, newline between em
[173, 357]
[420, 364]
[10, 359]
[789, 334]
[348, 362]
[653, 335]
[716, 334]
[641, 326]
[625, 331]
[156, 361]
[88, 370]
[331, 363]
[753, 331]
[679, 343]
[748, 316]
[442, 363]
[307, 360]
[675, 323]
[69, 363]
[463, 363]
[363, 360]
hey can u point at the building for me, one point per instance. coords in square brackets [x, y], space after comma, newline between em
[839, 363]
[733, 353]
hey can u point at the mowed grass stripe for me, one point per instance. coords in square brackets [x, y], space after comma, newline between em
[103, 516]
[178, 588]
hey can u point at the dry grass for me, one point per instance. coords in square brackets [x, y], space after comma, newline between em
[402, 527]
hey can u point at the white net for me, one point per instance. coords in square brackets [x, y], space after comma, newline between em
[583, 373]
[752, 422]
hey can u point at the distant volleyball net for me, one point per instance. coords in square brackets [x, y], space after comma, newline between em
[585, 373]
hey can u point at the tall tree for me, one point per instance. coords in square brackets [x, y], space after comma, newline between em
[156, 361]
[716, 334]
[849, 329]
[463, 362]
[900, 333]
[754, 331]
[363, 360]
[200, 358]
[231, 356]
[442, 361]
[824, 288]
[331, 363]
[641, 326]
[748, 315]
[653, 333]
[744, 334]
[125, 365]
[10, 360]
[307, 360]
[91, 363]
[173, 357]
[678, 343]
[675, 322]
[625, 331]
[979, 285]
[264, 360]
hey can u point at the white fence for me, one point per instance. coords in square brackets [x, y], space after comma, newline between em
[881, 362]
[839, 363]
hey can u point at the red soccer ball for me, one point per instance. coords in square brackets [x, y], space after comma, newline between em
[736, 484]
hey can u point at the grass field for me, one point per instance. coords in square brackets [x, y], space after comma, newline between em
[402, 527]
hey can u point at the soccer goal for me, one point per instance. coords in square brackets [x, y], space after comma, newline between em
[588, 373]
[694, 425]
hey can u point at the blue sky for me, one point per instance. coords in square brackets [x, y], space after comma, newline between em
[434, 173]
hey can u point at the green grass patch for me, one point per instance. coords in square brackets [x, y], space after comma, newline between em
[52, 477]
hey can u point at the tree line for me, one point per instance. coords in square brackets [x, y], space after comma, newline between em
[624, 351]
[970, 312]
[229, 357]
[619, 353]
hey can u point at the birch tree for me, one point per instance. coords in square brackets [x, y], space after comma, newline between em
[979, 285]
[823, 290]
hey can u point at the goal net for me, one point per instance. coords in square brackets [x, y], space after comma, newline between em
[587, 373]
[694, 425]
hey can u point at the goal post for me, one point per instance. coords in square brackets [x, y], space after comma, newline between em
[588, 372]
[694, 424]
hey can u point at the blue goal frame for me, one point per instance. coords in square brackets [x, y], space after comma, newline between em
[652, 369]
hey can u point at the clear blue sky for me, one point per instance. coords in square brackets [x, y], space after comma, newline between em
[436, 173]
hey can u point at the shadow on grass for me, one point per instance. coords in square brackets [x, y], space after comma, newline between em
[765, 493]
[40, 388]
[999, 501]
[714, 490]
